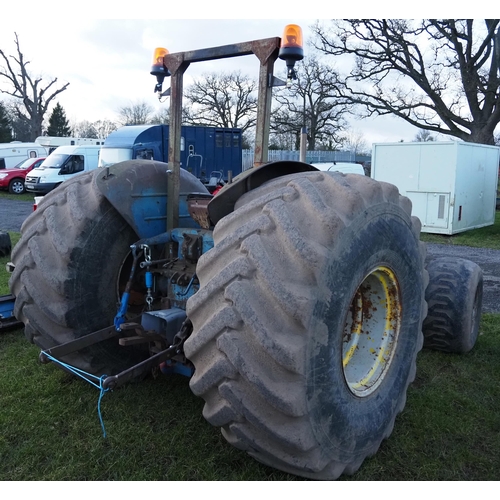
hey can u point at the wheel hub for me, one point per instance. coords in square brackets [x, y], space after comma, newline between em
[17, 187]
[371, 331]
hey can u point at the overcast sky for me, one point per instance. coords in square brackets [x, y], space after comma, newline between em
[107, 61]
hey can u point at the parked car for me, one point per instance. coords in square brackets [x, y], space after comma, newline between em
[346, 168]
[13, 178]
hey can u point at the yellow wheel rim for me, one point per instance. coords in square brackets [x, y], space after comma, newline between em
[371, 331]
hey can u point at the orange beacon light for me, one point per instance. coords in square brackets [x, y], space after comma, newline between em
[291, 49]
[158, 68]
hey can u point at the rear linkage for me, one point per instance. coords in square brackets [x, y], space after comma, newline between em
[176, 350]
[121, 328]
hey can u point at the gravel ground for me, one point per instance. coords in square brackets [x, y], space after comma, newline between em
[487, 259]
[13, 213]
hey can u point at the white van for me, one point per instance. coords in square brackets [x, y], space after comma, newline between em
[13, 153]
[345, 168]
[64, 163]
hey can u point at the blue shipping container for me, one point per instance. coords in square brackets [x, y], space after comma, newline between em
[203, 149]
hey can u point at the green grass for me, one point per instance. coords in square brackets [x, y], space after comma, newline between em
[21, 197]
[484, 237]
[449, 430]
[50, 430]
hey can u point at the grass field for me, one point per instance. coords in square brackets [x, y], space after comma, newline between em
[21, 197]
[448, 431]
[484, 237]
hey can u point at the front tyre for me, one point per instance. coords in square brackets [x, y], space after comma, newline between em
[308, 321]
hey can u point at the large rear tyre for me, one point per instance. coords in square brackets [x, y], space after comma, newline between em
[308, 321]
[68, 264]
[454, 297]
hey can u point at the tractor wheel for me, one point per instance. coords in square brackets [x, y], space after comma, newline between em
[308, 321]
[68, 266]
[16, 186]
[5, 244]
[454, 297]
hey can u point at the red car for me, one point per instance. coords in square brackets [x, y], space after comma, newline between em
[13, 178]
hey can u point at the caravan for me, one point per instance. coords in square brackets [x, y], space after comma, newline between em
[64, 163]
[51, 143]
[13, 153]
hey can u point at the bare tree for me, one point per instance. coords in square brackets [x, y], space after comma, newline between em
[222, 100]
[440, 75]
[424, 136]
[20, 123]
[285, 129]
[99, 129]
[162, 117]
[85, 128]
[33, 96]
[103, 128]
[5, 125]
[311, 102]
[138, 113]
[284, 139]
[356, 142]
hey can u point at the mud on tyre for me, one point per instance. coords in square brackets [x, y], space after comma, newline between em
[308, 321]
[67, 271]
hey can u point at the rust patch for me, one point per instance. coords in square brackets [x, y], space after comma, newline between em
[198, 210]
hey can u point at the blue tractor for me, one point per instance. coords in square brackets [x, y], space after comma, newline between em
[293, 299]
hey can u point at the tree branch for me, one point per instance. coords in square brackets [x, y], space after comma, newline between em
[449, 61]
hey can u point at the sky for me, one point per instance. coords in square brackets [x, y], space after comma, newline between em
[106, 56]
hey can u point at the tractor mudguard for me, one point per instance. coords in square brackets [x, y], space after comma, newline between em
[137, 189]
[223, 204]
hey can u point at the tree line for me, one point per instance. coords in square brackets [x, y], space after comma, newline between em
[441, 76]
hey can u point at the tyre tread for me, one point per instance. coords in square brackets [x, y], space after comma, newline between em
[282, 276]
[46, 271]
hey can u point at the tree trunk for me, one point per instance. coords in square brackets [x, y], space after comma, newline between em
[481, 136]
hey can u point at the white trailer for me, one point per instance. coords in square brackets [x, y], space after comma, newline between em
[452, 185]
[13, 153]
[51, 143]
